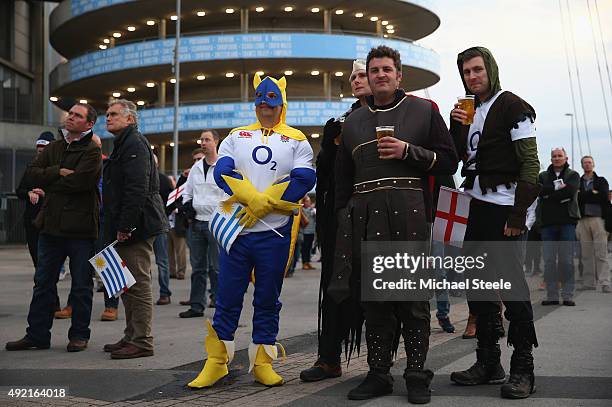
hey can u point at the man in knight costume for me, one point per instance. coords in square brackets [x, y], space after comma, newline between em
[267, 168]
[501, 167]
[381, 195]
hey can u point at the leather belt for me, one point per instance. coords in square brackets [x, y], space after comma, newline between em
[388, 183]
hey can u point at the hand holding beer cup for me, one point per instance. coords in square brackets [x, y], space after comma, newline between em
[389, 147]
[464, 110]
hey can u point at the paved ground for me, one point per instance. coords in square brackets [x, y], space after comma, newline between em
[573, 362]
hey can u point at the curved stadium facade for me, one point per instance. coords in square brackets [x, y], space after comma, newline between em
[125, 48]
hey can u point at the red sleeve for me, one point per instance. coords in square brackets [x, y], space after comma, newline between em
[434, 104]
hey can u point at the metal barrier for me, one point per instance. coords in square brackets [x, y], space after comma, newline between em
[11, 220]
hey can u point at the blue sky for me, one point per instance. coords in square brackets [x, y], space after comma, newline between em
[527, 41]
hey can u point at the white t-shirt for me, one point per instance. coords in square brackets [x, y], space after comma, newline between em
[526, 129]
[264, 160]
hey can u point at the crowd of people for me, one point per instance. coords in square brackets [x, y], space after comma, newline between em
[367, 189]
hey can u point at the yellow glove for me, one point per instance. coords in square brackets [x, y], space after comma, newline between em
[276, 191]
[248, 220]
[260, 204]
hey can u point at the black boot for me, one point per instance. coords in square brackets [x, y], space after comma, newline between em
[375, 384]
[378, 382]
[487, 369]
[521, 383]
[320, 371]
[418, 384]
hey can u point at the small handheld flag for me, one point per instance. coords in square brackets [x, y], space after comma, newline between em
[451, 216]
[113, 271]
[224, 225]
[174, 195]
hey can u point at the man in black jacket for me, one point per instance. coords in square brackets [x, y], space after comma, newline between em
[339, 321]
[160, 245]
[134, 215]
[33, 198]
[591, 231]
[558, 216]
[68, 171]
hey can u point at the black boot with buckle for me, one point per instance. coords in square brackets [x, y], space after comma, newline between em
[521, 383]
[487, 369]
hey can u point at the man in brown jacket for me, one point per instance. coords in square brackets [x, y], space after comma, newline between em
[68, 170]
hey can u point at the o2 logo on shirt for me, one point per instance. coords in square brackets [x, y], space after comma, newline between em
[262, 155]
[473, 142]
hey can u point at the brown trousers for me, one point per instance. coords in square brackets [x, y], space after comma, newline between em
[177, 254]
[138, 299]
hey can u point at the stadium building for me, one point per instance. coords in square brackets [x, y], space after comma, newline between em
[125, 49]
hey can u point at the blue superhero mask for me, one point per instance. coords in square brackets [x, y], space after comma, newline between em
[269, 93]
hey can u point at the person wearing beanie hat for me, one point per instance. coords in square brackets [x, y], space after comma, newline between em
[45, 138]
[33, 198]
[339, 321]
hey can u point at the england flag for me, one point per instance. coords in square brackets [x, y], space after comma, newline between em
[224, 225]
[113, 271]
[174, 195]
[451, 216]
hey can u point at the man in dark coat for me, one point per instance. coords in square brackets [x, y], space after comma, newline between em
[558, 215]
[381, 196]
[339, 321]
[33, 198]
[134, 215]
[68, 171]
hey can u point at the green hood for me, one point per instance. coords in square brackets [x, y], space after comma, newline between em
[490, 65]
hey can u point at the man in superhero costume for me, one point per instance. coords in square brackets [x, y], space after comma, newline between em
[267, 168]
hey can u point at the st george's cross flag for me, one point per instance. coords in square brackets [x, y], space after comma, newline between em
[451, 216]
[113, 271]
[174, 195]
[224, 225]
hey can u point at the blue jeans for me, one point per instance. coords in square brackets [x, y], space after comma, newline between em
[52, 252]
[558, 249]
[204, 258]
[442, 301]
[160, 248]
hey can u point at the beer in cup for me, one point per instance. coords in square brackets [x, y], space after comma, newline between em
[384, 131]
[467, 103]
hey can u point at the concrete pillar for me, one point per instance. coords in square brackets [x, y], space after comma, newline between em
[244, 20]
[161, 94]
[327, 21]
[244, 87]
[162, 158]
[327, 85]
[161, 29]
[37, 59]
[379, 28]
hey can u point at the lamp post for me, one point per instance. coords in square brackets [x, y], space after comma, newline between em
[571, 116]
[177, 75]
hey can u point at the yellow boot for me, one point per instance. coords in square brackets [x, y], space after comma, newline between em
[220, 354]
[260, 358]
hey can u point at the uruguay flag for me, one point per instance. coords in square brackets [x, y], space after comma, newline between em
[113, 271]
[224, 225]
